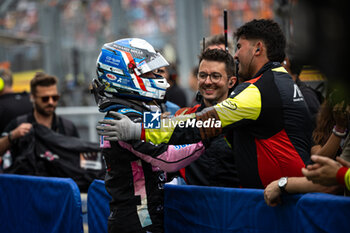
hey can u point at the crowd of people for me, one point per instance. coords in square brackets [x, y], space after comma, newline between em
[270, 130]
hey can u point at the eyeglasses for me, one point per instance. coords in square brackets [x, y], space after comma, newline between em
[215, 77]
[45, 99]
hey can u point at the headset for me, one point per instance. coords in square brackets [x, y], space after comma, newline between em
[257, 50]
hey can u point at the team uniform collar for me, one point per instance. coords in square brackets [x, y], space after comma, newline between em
[267, 66]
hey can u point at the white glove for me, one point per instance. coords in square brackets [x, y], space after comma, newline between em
[122, 128]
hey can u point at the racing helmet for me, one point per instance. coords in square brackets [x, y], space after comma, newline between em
[121, 69]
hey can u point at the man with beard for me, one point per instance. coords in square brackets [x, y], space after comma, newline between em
[44, 96]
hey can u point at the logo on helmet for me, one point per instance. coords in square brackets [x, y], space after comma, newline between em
[131, 67]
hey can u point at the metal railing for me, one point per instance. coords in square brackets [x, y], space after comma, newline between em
[85, 119]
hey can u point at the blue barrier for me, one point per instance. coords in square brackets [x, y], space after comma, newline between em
[98, 207]
[211, 209]
[208, 209]
[323, 213]
[39, 204]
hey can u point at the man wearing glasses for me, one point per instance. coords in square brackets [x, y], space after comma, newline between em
[216, 167]
[44, 96]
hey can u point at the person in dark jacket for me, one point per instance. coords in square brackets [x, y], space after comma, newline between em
[44, 96]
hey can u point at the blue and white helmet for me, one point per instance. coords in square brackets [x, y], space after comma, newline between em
[122, 64]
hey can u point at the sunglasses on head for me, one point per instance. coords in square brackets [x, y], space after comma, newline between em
[46, 98]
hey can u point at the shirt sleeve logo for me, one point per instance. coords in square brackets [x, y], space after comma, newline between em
[297, 96]
[228, 104]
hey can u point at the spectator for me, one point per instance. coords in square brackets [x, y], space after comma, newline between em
[292, 185]
[326, 175]
[174, 93]
[272, 126]
[216, 167]
[11, 104]
[331, 128]
[328, 172]
[294, 68]
[136, 187]
[44, 96]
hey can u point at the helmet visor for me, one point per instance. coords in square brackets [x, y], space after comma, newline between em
[152, 63]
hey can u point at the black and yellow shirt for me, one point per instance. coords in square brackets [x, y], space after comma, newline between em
[270, 122]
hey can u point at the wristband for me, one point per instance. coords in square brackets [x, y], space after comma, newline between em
[341, 175]
[339, 134]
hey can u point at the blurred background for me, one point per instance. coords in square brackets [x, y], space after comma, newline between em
[64, 38]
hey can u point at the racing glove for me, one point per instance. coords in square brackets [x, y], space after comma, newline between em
[120, 128]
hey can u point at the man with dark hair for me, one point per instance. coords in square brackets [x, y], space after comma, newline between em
[11, 104]
[44, 95]
[211, 93]
[215, 42]
[215, 77]
[271, 136]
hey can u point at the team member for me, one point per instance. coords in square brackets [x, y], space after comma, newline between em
[270, 118]
[216, 167]
[127, 85]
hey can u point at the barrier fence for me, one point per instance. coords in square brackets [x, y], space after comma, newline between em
[39, 204]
